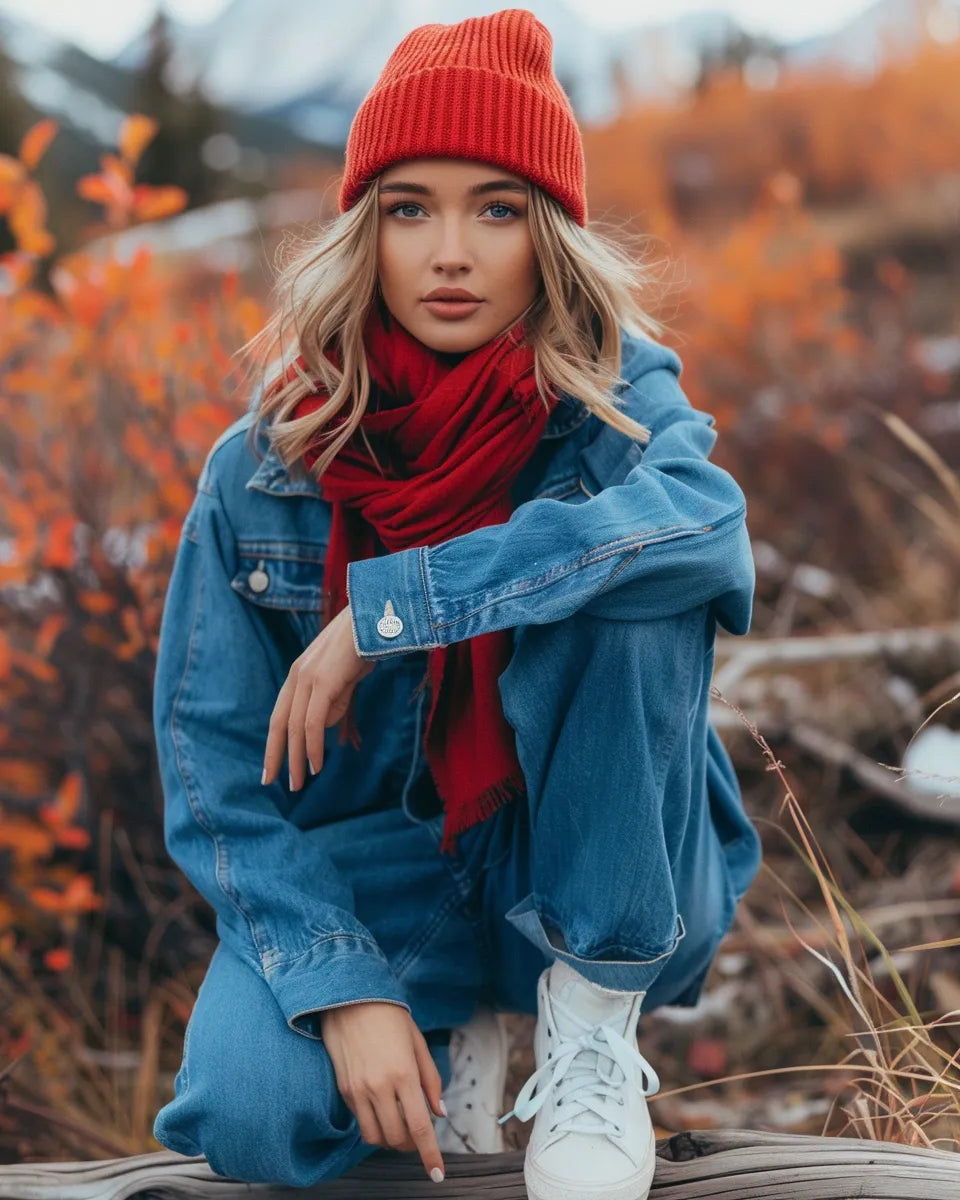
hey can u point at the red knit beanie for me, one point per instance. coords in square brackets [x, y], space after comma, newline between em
[484, 89]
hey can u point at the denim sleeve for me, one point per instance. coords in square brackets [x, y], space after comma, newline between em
[279, 900]
[670, 536]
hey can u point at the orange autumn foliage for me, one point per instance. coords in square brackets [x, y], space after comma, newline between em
[112, 388]
[710, 156]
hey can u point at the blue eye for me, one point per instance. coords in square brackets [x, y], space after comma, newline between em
[404, 204]
[511, 211]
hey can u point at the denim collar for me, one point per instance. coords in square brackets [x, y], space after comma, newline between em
[272, 475]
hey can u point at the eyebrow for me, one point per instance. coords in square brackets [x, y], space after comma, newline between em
[478, 189]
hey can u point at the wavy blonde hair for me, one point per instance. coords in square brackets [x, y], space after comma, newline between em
[327, 282]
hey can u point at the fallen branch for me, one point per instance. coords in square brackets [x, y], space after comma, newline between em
[744, 655]
[833, 750]
[739, 1163]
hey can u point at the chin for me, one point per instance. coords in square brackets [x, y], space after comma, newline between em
[450, 337]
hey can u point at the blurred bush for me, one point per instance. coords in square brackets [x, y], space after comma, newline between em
[112, 388]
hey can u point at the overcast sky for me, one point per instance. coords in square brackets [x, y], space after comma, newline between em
[104, 26]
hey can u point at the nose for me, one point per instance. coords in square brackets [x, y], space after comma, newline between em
[452, 252]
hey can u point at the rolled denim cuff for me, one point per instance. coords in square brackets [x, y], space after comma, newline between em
[335, 971]
[389, 604]
[630, 971]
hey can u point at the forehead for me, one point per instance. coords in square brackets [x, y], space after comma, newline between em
[442, 170]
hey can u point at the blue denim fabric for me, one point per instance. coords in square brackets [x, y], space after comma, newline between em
[626, 859]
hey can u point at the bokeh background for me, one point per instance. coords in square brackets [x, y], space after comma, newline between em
[795, 177]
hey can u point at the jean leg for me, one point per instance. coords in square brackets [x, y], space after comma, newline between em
[257, 1099]
[621, 860]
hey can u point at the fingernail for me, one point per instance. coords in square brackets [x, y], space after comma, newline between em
[263, 777]
[443, 1108]
[313, 769]
[436, 1175]
[290, 776]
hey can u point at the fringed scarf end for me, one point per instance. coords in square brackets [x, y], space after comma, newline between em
[513, 787]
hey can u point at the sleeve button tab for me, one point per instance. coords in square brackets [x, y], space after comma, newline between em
[258, 579]
[389, 625]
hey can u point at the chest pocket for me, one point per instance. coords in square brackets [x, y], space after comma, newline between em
[608, 460]
[285, 579]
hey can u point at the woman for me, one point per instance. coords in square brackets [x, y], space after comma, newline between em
[482, 536]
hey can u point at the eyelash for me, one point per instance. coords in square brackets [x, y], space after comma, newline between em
[493, 204]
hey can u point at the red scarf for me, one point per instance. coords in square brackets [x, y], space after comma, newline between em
[451, 434]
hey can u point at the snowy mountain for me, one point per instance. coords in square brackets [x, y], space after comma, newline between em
[292, 72]
[887, 30]
[60, 80]
[279, 58]
[659, 60]
[90, 97]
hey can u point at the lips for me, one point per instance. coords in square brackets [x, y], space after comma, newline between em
[452, 294]
[452, 309]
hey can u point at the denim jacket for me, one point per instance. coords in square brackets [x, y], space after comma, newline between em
[601, 522]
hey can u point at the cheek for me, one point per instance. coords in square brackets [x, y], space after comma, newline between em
[526, 272]
[390, 261]
[515, 263]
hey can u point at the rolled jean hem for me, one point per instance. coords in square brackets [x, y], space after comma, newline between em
[633, 973]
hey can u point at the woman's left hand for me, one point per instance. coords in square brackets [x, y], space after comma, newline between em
[316, 694]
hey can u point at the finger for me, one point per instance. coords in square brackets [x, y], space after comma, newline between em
[320, 713]
[277, 732]
[296, 745]
[391, 1118]
[370, 1129]
[408, 1143]
[339, 706]
[430, 1079]
[420, 1127]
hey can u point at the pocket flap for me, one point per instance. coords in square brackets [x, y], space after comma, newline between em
[280, 574]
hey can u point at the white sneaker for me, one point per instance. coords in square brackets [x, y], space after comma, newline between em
[592, 1136]
[474, 1095]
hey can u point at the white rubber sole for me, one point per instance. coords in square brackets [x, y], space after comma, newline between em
[543, 1186]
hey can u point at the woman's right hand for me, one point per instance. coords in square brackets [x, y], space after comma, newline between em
[383, 1068]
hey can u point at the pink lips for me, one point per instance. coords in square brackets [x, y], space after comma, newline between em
[452, 309]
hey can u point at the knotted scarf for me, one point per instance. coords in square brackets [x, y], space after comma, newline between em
[451, 433]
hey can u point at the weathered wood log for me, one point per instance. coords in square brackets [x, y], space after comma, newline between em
[737, 657]
[736, 1164]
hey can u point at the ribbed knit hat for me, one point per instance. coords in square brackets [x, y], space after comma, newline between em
[484, 89]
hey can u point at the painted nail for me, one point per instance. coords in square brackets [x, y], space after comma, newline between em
[291, 781]
[436, 1175]
[263, 777]
[313, 769]
[443, 1108]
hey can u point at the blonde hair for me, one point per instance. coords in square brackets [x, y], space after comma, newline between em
[328, 281]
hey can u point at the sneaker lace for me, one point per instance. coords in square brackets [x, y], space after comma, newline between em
[586, 1070]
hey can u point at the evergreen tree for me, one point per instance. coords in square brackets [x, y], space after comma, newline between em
[185, 120]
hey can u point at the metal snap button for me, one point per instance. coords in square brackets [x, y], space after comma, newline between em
[258, 579]
[389, 625]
